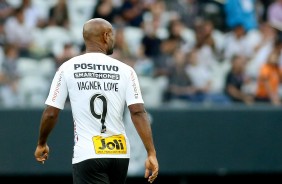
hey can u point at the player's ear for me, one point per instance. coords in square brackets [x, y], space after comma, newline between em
[106, 37]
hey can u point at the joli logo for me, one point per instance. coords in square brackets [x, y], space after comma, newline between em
[110, 145]
[116, 144]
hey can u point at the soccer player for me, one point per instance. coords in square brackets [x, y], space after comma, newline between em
[98, 87]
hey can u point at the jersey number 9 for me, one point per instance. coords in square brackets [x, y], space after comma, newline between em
[103, 114]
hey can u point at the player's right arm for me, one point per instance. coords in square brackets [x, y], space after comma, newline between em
[48, 122]
[55, 102]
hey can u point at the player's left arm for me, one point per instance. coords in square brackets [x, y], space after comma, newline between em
[141, 122]
[48, 122]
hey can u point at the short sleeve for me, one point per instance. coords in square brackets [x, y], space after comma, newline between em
[133, 92]
[58, 91]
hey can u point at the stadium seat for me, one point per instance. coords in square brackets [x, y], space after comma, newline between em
[43, 7]
[55, 37]
[47, 68]
[33, 91]
[81, 11]
[27, 67]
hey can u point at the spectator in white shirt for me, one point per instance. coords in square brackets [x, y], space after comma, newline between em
[18, 32]
[236, 43]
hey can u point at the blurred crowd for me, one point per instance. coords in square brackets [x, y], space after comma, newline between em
[184, 51]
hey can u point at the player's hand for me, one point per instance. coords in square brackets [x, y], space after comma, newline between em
[152, 167]
[41, 153]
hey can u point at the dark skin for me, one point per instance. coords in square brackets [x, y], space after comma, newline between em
[98, 37]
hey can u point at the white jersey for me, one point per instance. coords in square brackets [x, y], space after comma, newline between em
[99, 87]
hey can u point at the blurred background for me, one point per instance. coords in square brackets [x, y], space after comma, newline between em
[210, 73]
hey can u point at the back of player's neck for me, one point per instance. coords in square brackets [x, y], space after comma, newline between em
[90, 49]
[95, 51]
